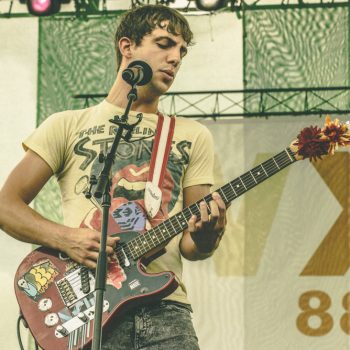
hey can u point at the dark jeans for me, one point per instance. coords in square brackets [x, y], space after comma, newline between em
[163, 326]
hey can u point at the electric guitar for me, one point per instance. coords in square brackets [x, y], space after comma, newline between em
[56, 295]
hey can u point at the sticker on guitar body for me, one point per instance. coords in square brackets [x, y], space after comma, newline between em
[115, 275]
[37, 280]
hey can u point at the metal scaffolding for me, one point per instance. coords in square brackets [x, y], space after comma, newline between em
[250, 103]
[84, 8]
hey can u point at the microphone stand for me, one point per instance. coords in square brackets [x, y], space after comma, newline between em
[103, 190]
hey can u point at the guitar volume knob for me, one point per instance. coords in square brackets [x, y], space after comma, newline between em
[51, 319]
[45, 304]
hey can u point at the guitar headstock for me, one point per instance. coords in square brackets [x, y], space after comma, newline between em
[314, 142]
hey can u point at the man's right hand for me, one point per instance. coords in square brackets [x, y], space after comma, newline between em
[83, 244]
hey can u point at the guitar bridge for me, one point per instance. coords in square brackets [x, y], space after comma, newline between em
[75, 285]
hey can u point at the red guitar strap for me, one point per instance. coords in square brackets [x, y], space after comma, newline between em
[159, 160]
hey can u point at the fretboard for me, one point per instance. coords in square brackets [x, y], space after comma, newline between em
[171, 227]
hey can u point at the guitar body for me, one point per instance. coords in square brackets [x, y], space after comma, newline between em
[56, 295]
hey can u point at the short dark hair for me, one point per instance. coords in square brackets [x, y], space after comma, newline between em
[140, 21]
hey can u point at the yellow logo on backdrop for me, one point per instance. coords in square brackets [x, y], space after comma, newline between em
[332, 257]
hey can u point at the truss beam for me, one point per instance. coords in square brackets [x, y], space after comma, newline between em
[250, 102]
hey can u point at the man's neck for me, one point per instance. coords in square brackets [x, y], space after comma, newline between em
[144, 103]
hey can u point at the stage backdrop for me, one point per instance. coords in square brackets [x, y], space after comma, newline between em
[18, 71]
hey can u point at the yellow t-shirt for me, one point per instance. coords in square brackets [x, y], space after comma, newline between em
[70, 143]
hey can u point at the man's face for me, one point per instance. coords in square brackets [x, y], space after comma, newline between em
[163, 51]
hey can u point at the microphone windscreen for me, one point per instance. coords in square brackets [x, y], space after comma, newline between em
[146, 70]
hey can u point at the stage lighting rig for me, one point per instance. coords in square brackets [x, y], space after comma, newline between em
[44, 7]
[210, 5]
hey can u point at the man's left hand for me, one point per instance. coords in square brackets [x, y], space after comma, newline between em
[207, 232]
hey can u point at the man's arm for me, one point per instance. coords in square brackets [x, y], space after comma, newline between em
[25, 224]
[202, 237]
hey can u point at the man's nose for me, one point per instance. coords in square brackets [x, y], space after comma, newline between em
[174, 57]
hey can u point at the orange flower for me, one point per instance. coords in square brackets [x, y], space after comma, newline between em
[336, 133]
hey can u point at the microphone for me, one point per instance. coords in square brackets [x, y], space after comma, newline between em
[137, 73]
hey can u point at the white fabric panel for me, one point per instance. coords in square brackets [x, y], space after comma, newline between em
[218, 301]
[215, 61]
[18, 72]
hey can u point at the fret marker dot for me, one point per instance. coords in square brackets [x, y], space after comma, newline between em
[258, 173]
[163, 230]
[237, 186]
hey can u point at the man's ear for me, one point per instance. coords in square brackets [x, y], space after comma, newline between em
[125, 45]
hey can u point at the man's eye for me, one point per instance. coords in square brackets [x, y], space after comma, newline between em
[162, 46]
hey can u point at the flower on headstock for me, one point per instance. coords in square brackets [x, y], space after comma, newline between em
[311, 144]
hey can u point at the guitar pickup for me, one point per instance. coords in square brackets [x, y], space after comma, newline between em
[66, 291]
[85, 280]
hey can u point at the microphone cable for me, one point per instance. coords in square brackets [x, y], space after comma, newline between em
[19, 338]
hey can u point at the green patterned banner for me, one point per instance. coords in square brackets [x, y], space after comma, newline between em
[296, 48]
[75, 57]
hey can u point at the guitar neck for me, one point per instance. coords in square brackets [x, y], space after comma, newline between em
[171, 227]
